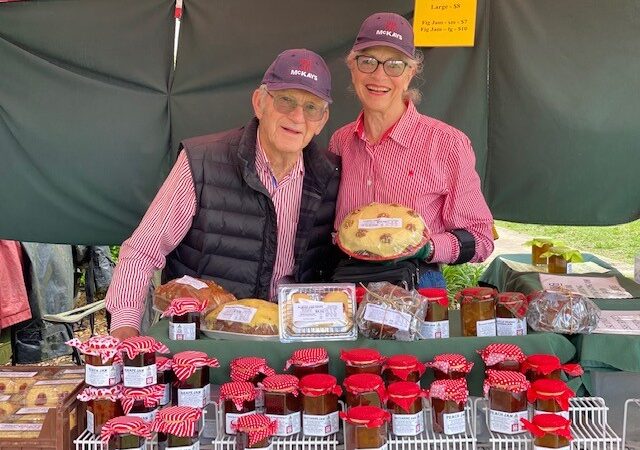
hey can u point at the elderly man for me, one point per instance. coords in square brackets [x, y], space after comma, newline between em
[248, 208]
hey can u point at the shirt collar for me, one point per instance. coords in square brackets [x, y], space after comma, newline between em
[262, 162]
[400, 131]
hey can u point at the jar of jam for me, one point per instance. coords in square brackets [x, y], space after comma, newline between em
[365, 427]
[253, 370]
[320, 392]
[139, 359]
[306, 361]
[191, 386]
[547, 366]
[362, 360]
[477, 311]
[238, 399]
[550, 431]
[165, 377]
[511, 310]
[550, 397]
[184, 318]
[502, 357]
[282, 403]
[103, 404]
[450, 366]
[254, 431]
[403, 368]
[448, 399]
[436, 321]
[181, 424]
[126, 433]
[507, 394]
[556, 263]
[103, 365]
[404, 402]
[538, 247]
[142, 402]
[365, 389]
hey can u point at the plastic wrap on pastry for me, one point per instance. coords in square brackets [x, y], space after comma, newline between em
[250, 316]
[203, 290]
[562, 312]
[379, 232]
[390, 312]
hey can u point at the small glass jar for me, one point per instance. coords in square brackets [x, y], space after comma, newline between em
[194, 391]
[307, 361]
[165, 378]
[403, 368]
[139, 361]
[362, 360]
[102, 367]
[436, 321]
[100, 411]
[448, 399]
[320, 394]
[540, 366]
[450, 366]
[146, 413]
[477, 311]
[538, 247]
[550, 397]
[550, 431]
[182, 426]
[511, 310]
[405, 405]
[126, 433]
[238, 399]
[174, 440]
[126, 441]
[365, 427]
[253, 370]
[254, 431]
[364, 389]
[185, 327]
[507, 393]
[500, 356]
[282, 403]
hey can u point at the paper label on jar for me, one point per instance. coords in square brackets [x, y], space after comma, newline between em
[100, 376]
[4, 374]
[166, 395]
[259, 398]
[146, 416]
[240, 314]
[196, 398]
[486, 327]
[387, 316]
[229, 418]
[538, 447]
[90, 423]
[309, 314]
[194, 283]
[324, 425]
[20, 426]
[564, 414]
[140, 376]
[182, 331]
[511, 327]
[34, 410]
[287, 424]
[507, 423]
[195, 446]
[435, 330]
[454, 423]
[407, 424]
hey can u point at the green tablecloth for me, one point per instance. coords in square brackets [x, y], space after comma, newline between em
[277, 353]
[594, 351]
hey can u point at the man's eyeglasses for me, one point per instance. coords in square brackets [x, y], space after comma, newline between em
[369, 64]
[285, 104]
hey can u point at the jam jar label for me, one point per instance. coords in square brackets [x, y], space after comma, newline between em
[194, 446]
[407, 424]
[90, 423]
[100, 376]
[231, 417]
[320, 425]
[435, 330]
[182, 331]
[166, 396]
[454, 423]
[564, 414]
[287, 424]
[511, 327]
[507, 423]
[259, 398]
[140, 376]
[146, 416]
[196, 398]
[486, 327]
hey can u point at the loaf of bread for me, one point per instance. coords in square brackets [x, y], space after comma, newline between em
[248, 316]
[200, 289]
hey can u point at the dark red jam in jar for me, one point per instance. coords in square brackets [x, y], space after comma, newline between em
[139, 360]
[142, 402]
[502, 357]
[191, 370]
[238, 399]
[165, 378]
[282, 403]
[405, 405]
[306, 361]
[320, 394]
[126, 433]
[403, 368]
[103, 365]
[181, 424]
[448, 399]
[450, 366]
[184, 318]
[365, 389]
[254, 431]
[253, 370]
[507, 394]
[362, 360]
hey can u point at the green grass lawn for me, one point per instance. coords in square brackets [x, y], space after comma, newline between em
[618, 242]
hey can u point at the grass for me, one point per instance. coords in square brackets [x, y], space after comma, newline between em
[618, 242]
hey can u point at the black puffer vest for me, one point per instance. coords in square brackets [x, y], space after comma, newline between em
[233, 236]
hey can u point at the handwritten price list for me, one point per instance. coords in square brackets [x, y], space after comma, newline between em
[444, 23]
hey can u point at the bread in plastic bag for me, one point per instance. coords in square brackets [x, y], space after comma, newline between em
[380, 232]
[200, 289]
[562, 312]
[390, 312]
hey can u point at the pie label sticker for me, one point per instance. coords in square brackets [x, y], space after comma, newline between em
[381, 222]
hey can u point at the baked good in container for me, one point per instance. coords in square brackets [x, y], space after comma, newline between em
[200, 289]
[380, 231]
[248, 316]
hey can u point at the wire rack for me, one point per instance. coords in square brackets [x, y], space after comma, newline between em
[631, 424]
[589, 427]
[89, 441]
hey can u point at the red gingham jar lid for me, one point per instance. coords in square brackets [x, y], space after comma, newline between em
[547, 389]
[104, 346]
[281, 383]
[177, 420]
[125, 425]
[545, 364]
[471, 294]
[450, 390]
[493, 354]
[246, 368]
[186, 363]
[404, 394]
[135, 345]
[319, 384]
[367, 416]
[451, 362]
[553, 424]
[184, 305]
[238, 392]
[112, 393]
[506, 380]
[163, 363]
[150, 396]
[257, 426]
[361, 356]
[437, 295]
[307, 357]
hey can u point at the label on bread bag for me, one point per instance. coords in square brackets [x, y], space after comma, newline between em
[387, 316]
[197, 284]
[381, 222]
[241, 314]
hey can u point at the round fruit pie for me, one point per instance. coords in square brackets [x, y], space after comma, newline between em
[379, 232]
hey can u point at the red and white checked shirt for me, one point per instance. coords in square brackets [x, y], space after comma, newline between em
[424, 164]
[167, 222]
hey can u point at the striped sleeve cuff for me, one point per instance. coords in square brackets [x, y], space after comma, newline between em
[446, 248]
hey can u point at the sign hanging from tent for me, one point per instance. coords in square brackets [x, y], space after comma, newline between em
[444, 23]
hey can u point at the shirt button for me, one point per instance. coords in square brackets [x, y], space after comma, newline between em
[369, 182]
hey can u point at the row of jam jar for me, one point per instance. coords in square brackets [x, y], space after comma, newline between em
[485, 312]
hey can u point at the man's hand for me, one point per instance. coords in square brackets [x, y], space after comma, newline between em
[123, 333]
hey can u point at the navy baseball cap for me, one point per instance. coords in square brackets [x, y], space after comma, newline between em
[386, 29]
[299, 68]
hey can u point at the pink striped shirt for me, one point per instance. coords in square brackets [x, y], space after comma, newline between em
[167, 222]
[421, 163]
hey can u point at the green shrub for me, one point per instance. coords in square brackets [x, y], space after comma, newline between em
[459, 277]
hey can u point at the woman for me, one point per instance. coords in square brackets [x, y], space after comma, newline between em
[393, 154]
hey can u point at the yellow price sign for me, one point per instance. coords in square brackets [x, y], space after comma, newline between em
[444, 23]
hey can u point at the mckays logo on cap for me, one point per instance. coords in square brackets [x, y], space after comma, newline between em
[386, 29]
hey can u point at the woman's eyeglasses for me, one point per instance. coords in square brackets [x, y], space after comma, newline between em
[369, 64]
[285, 104]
